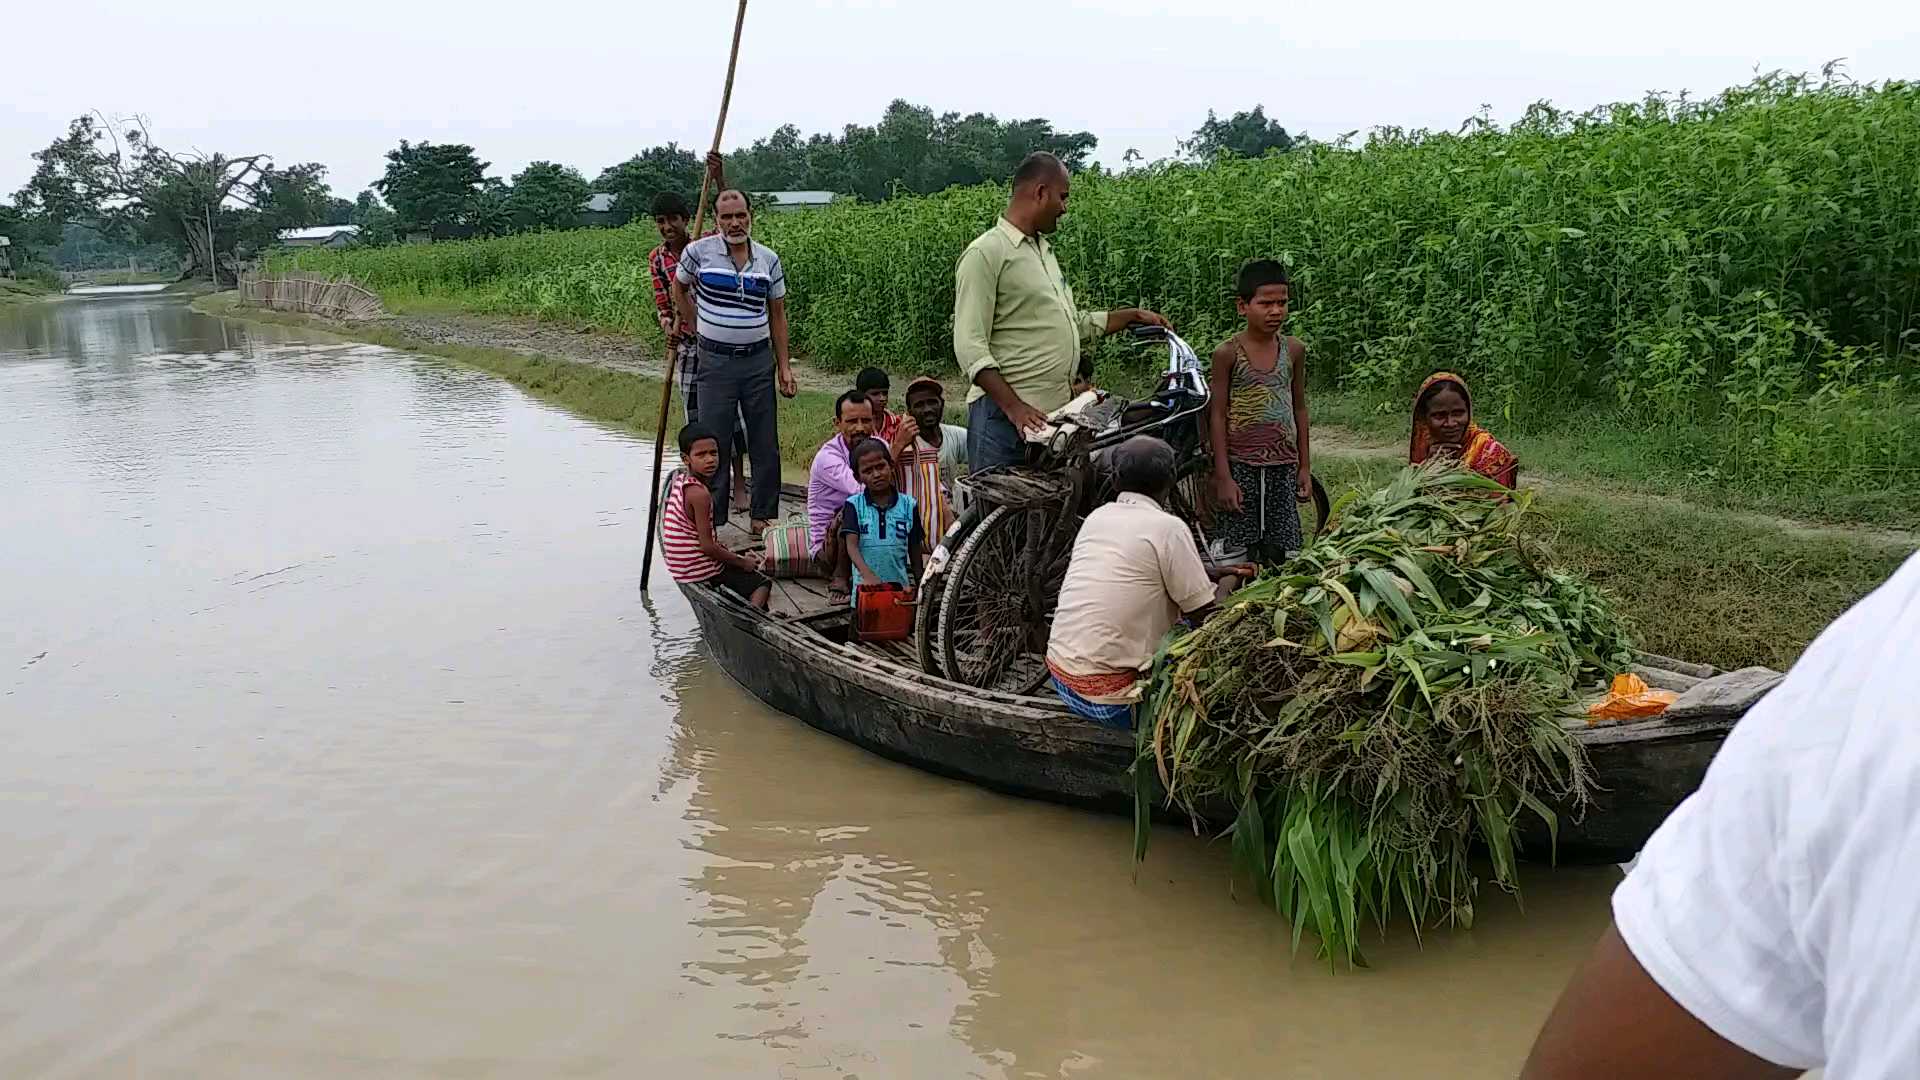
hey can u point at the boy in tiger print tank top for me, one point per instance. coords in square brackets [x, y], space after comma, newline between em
[1258, 425]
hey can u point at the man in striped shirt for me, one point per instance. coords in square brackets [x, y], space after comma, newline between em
[670, 217]
[734, 291]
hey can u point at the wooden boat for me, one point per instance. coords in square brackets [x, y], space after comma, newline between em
[799, 660]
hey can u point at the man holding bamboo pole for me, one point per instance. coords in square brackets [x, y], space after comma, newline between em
[671, 218]
[733, 291]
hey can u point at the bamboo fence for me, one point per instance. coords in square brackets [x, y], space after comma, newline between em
[316, 294]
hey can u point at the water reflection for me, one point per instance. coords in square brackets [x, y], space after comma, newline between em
[810, 920]
[998, 937]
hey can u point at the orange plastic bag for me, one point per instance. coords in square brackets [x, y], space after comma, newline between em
[1630, 699]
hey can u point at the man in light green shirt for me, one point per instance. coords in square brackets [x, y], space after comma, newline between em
[1016, 331]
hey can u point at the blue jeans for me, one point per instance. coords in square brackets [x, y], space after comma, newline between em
[742, 384]
[991, 438]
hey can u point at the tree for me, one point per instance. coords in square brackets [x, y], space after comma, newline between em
[339, 212]
[288, 199]
[80, 246]
[27, 230]
[114, 176]
[490, 213]
[1245, 134]
[634, 182]
[433, 188]
[378, 225]
[546, 196]
[911, 149]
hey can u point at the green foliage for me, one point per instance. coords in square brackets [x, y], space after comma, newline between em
[113, 177]
[911, 150]
[32, 234]
[1383, 703]
[546, 196]
[433, 188]
[75, 176]
[634, 182]
[31, 282]
[1244, 134]
[286, 199]
[1745, 268]
[378, 225]
[491, 212]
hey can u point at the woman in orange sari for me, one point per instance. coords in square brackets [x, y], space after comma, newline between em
[1443, 425]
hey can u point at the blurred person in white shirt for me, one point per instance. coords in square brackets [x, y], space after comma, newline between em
[1772, 924]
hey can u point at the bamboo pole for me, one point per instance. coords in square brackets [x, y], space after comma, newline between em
[666, 384]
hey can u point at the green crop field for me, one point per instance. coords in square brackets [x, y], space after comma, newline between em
[1717, 296]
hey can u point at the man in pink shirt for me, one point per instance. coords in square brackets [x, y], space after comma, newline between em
[830, 483]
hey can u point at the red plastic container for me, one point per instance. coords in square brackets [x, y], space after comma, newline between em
[881, 612]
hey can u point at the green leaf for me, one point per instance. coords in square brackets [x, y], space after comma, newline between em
[1546, 814]
[1355, 659]
[1383, 583]
[1250, 846]
[1420, 580]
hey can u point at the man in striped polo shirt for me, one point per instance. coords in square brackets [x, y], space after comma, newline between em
[734, 291]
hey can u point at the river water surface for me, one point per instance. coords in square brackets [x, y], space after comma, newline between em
[340, 742]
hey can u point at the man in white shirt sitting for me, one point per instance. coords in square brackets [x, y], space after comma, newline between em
[1135, 570]
[1769, 927]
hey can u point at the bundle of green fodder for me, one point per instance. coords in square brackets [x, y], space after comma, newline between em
[1385, 700]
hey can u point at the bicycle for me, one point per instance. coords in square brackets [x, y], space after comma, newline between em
[992, 583]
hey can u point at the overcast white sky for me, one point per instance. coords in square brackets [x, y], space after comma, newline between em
[591, 82]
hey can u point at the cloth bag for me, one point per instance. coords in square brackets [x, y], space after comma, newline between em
[787, 555]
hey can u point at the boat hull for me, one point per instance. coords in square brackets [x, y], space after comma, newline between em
[1036, 749]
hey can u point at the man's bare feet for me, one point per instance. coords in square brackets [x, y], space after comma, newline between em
[839, 589]
[760, 525]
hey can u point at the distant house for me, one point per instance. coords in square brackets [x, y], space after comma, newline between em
[597, 212]
[782, 201]
[319, 236]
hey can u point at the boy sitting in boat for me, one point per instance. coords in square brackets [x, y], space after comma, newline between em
[1134, 570]
[878, 387]
[880, 526]
[692, 551]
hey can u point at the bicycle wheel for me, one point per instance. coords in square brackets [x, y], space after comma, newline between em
[997, 604]
[926, 617]
[1310, 527]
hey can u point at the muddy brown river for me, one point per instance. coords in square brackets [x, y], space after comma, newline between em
[339, 742]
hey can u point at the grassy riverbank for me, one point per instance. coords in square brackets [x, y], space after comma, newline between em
[23, 291]
[1700, 582]
[623, 398]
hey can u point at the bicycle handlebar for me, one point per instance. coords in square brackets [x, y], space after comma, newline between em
[1184, 375]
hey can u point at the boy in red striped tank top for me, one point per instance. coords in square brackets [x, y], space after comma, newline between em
[687, 543]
